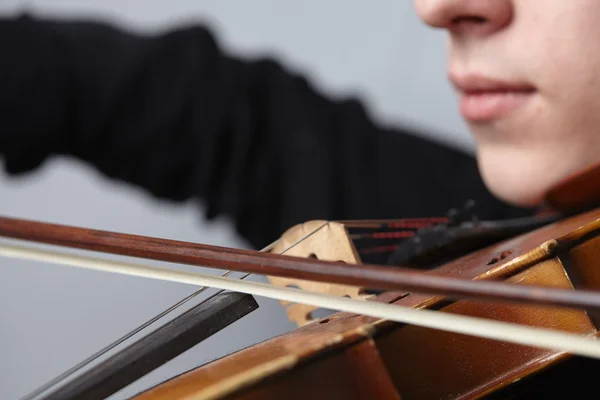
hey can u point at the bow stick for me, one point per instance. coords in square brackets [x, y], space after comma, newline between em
[364, 275]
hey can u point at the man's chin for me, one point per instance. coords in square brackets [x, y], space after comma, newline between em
[518, 195]
[518, 183]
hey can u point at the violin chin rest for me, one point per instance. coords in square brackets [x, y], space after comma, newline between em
[579, 191]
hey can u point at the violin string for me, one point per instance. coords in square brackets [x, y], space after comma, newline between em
[382, 235]
[117, 342]
[395, 223]
[114, 344]
[554, 339]
[303, 238]
[297, 242]
[146, 324]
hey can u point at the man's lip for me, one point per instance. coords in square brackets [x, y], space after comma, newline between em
[479, 84]
[484, 99]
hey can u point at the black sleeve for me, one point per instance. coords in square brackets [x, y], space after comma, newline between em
[173, 114]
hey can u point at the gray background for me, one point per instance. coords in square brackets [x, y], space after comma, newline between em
[52, 316]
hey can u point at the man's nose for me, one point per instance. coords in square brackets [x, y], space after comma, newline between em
[479, 17]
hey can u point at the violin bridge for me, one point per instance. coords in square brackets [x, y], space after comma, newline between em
[328, 241]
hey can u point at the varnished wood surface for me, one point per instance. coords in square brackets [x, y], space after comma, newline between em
[360, 375]
[578, 191]
[275, 356]
[466, 366]
[578, 260]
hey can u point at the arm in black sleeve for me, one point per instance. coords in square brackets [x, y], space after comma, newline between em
[173, 114]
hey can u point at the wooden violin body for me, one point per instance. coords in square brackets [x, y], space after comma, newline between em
[546, 279]
[347, 356]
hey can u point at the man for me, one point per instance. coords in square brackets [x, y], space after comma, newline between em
[176, 116]
[528, 77]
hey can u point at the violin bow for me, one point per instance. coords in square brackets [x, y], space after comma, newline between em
[495, 330]
[253, 262]
[324, 271]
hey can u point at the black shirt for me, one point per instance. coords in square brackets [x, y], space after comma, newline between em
[175, 115]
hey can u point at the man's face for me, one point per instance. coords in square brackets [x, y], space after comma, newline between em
[528, 76]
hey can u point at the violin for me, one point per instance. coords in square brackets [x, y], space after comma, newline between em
[514, 314]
